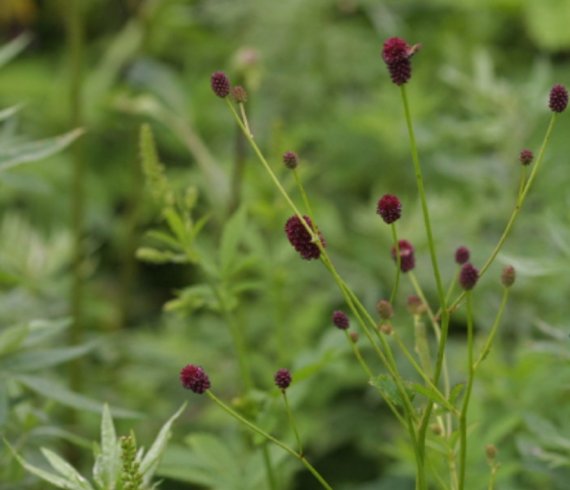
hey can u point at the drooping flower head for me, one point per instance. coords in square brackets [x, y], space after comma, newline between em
[396, 53]
[526, 157]
[340, 320]
[558, 98]
[220, 84]
[390, 208]
[283, 378]
[300, 238]
[290, 159]
[468, 276]
[194, 378]
[462, 255]
[407, 258]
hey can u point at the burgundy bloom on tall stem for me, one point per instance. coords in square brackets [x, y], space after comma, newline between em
[220, 84]
[526, 157]
[283, 378]
[396, 53]
[558, 98]
[290, 159]
[194, 378]
[390, 208]
[340, 320]
[300, 238]
[468, 276]
[407, 258]
[462, 255]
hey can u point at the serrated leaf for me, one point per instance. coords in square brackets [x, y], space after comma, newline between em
[55, 480]
[231, 238]
[40, 359]
[66, 470]
[152, 167]
[151, 459]
[55, 391]
[12, 338]
[107, 464]
[37, 150]
[154, 256]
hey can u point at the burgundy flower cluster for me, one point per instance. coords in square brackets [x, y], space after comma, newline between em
[301, 239]
[396, 54]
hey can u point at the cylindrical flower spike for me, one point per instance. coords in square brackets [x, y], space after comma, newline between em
[340, 320]
[390, 208]
[300, 238]
[558, 98]
[407, 258]
[283, 378]
[468, 276]
[194, 378]
[290, 159]
[462, 255]
[526, 157]
[220, 84]
[396, 53]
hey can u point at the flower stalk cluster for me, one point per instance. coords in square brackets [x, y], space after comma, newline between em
[416, 414]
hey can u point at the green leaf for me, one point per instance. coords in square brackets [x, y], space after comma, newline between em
[37, 150]
[55, 391]
[152, 168]
[41, 330]
[455, 392]
[177, 226]
[40, 359]
[44, 475]
[389, 389]
[433, 395]
[151, 459]
[14, 48]
[66, 470]
[12, 338]
[231, 238]
[9, 112]
[107, 464]
[154, 256]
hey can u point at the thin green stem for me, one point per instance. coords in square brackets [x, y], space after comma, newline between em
[292, 421]
[489, 342]
[493, 476]
[467, 397]
[398, 263]
[422, 194]
[518, 206]
[368, 371]
[271, 481]
[304, 196]
[258, 430]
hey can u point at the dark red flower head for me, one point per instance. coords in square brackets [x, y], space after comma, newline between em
[396, 53]
[220, 84]
[558, 98]
[390, 208]
[340, 320]
[407, 259]
[283, 378]
[290, 159]
[194, 378]
[468, 276]
[300, 238]
[526, 157]
[462, 255]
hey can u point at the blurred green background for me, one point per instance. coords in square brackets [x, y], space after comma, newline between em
[317, 86]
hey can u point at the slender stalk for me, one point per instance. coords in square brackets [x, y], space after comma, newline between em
[398, 263]
[258, 430]
[304, 196]
[422, 194]
[468, 389]
[271, 481]
[74, 28]
[518, 206]
[292, 421]
[489, 342]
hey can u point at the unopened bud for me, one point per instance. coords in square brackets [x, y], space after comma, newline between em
[386, 328]
[508, 276]
[384, 309]
[353, 337]
[491, 451]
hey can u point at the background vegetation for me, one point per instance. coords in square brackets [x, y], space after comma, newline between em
[317, 86]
